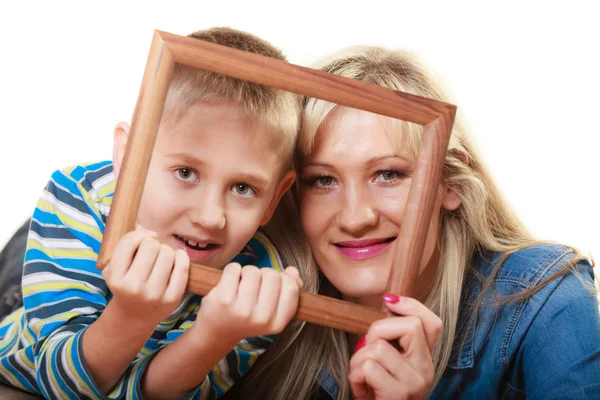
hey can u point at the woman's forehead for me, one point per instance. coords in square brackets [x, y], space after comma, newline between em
[347, 131]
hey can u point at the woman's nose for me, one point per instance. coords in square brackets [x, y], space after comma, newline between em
[357, 213]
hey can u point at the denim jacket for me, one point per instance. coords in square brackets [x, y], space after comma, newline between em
[544, 347]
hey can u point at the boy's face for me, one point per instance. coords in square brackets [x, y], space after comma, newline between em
[213, 180]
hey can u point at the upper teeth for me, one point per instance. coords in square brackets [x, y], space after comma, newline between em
[195, 244]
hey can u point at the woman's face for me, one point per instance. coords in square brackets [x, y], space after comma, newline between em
[353, 192]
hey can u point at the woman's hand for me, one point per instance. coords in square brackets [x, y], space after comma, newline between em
[380, 370]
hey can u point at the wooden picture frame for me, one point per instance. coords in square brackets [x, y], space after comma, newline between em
[436, 117]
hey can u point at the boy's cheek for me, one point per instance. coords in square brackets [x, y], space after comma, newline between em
[241, 227]
[243, 224]
[156, 210]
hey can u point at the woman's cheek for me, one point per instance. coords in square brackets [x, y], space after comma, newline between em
[309, 212]
[394, 203]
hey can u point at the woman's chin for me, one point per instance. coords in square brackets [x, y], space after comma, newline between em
[358, 292]
[357, 283]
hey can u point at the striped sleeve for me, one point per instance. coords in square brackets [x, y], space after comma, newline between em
[228, 371]
[64, 293]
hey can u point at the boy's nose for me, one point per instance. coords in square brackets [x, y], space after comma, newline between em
[209, 219]
[209, 214]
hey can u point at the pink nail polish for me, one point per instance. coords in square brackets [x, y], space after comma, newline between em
[361, 343]
[391, 298]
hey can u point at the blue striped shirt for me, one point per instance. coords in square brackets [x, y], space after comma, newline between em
[64, 293]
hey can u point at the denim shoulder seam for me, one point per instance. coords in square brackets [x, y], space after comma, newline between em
[516, 281]
[544, 268]
[514, 321]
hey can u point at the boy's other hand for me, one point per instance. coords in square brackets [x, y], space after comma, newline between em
[147, 278]
[249, 302]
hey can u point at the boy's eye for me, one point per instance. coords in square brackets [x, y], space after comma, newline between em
[186, 174]
[389, 175]
[243, 190]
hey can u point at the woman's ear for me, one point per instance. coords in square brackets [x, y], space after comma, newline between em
[120, 136]
[451, 199]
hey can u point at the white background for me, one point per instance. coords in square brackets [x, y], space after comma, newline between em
[524, 74]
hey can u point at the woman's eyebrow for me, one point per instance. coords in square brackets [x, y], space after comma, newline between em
[316, 164]
[371, 161]
[375, 160]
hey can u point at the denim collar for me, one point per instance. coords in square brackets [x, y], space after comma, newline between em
[328, 384]
[462, 355]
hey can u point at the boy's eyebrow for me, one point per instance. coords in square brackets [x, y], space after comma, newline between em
[258, 181]
[186, 158]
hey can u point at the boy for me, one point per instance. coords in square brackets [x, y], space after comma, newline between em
[220, 165]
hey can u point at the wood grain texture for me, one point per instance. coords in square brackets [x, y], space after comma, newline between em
[306, 81]
[312, 308]
[420, 204]
[144, 128]
[438, 117]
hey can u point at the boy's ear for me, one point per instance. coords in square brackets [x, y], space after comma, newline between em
[120, 136]
[285, 183]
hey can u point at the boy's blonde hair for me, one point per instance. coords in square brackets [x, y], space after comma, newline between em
[277, 110]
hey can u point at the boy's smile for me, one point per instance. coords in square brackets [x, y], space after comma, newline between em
[213, 180]
[197, 249]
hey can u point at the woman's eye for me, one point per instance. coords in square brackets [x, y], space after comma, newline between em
[323, 181]
[243, 190]
[388, 176]
[186, 175]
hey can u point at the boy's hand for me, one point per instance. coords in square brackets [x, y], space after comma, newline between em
[147, 278]
[248, 302]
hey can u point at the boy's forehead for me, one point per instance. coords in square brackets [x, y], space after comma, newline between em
[219, 124]
[219, 138]
[201, 118]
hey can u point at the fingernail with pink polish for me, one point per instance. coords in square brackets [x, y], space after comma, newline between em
[361, 343]
[391, 298]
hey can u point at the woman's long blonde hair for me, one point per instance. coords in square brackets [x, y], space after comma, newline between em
[483, 221]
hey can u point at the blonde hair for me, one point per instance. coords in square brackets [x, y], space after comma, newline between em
[483, 221]
[277, 110]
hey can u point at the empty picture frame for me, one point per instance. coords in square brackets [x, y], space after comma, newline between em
[436, 117]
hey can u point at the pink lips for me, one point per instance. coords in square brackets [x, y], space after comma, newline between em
[362, 249]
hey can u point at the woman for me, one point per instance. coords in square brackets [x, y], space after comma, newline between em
[495, 314]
